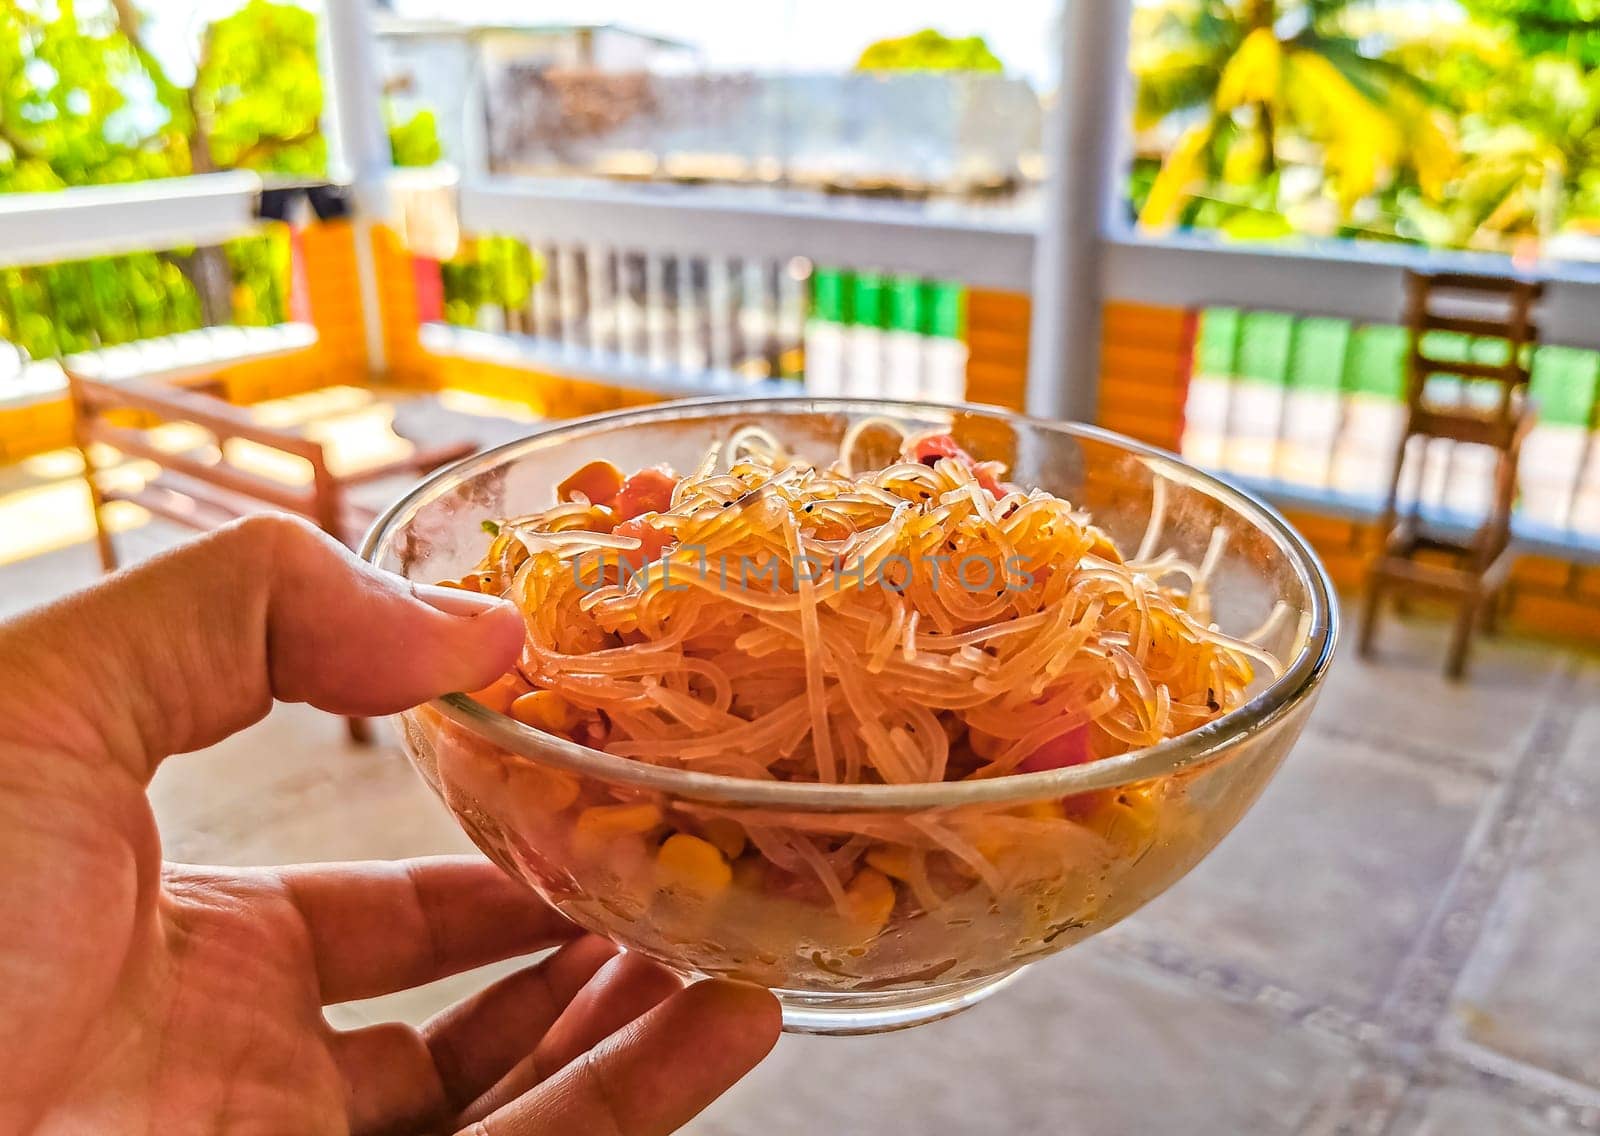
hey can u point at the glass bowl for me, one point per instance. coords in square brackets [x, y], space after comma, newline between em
[942, 891]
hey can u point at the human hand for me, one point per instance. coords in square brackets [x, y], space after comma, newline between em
[172, 999]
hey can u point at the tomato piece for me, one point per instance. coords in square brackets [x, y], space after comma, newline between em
[931, 449]
[652, 542]
[1070, 748]
[648, 491]
[599, 482]
[988, 476]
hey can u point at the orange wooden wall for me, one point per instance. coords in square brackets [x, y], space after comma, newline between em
[1144, 371]
[997, 347]
[34, 427]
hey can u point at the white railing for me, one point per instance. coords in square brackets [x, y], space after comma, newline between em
[104, 220]
[986, 247]
[705, 290]
[63, 226]
[663, 322]
[1348, 280]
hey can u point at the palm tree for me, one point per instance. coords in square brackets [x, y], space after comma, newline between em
[1530, 138]
[1253, 82]
[1570, 28]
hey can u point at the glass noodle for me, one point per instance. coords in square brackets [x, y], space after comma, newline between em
[923, 621]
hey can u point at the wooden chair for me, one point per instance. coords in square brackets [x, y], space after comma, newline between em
[1470, 569]
[202, 488]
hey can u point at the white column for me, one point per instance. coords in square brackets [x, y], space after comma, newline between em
[358, 144]
[1080, 146]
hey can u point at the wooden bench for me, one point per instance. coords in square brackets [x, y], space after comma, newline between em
[200, 487]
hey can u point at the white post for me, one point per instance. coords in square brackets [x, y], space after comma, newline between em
[358, 145]
[1087, 118]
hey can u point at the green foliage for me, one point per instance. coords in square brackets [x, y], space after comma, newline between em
[1270, 118]
[64, 113]
[1178, 53]
[415, 142]
[259, 267]
[928, 50]
[1530, 141]
[258, 90]
[1559, 27]
[496, 272]
[77, 306]
[488, 271]
[1257, 84]
[84, 102]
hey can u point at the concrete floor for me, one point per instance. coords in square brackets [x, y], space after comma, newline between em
[1400, 938]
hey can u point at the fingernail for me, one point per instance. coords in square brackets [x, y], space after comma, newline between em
[455, 601]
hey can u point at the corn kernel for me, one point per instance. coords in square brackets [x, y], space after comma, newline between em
[869, 899]
[545, 710]
[541, 791]
[992, 845]
[605, 821]
[1130, 821]
[893, 860]
[726, 834]
[500, 694]
[1043, 810]
[694, 865]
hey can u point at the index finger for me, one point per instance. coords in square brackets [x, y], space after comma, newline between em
[380, 926]
[654, 1075]
[194, 644]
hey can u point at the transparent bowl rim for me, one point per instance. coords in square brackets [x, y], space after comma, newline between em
[1299, 681]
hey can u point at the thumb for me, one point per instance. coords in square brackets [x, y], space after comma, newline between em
[195, 644]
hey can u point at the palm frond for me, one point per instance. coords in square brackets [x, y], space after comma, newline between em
[1373, 77]
[1181, 174]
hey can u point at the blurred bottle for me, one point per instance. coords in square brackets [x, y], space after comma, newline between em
[1255, 409]
[1205, 407]
[1586, 501]
[1551, 470]
[825, 333]
[1374, 417]
[1311, 403]
[864, 367]
[944, 347]
[904, 341]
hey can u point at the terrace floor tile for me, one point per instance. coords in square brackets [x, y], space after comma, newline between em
[1086, 1042]
[1528, 992]
[1327, 883]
